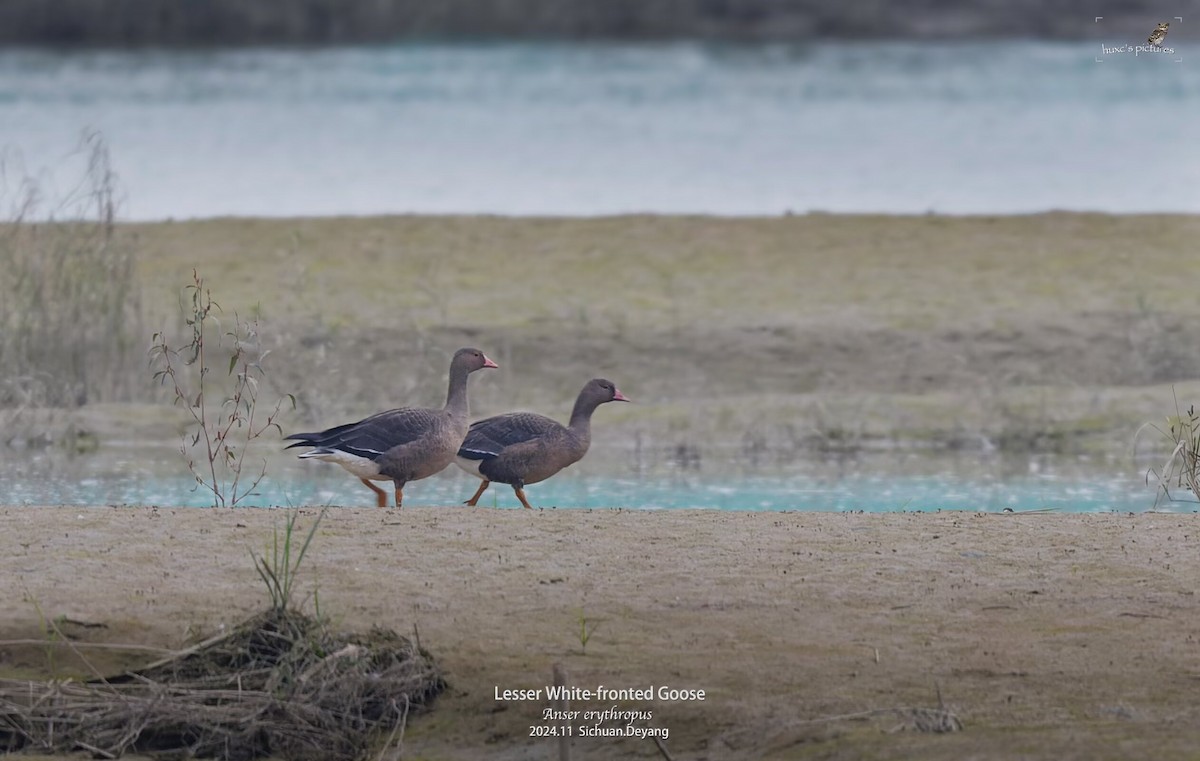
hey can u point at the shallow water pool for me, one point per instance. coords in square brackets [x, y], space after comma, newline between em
[869, 482]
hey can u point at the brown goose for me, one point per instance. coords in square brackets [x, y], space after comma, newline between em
[523, 448]
[401, 445]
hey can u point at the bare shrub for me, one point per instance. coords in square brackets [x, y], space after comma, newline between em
[225, 425]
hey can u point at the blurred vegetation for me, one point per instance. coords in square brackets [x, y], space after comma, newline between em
[776, 335]
[236, 22]
[69, 297]
[773, 336]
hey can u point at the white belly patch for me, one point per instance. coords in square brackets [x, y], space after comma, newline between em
[471, 466]
[359, 466]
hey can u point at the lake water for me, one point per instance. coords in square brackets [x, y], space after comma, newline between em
[871, 482]
[995, 127]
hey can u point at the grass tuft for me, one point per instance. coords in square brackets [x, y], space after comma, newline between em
[1181, 469]
[70, 303]
[280, 569]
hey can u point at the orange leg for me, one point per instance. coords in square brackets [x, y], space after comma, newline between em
[521, 496]
[399, 495]
[380, 494]
[483, 485]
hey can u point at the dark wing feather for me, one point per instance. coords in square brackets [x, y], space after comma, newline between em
[489, 437]
[372, 436]
[304, 439]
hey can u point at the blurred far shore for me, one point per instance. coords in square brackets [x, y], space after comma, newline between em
[170, 23]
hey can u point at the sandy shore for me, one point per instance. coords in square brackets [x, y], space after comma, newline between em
[1049, 636]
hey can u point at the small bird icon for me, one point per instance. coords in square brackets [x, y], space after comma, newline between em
[1159, 34]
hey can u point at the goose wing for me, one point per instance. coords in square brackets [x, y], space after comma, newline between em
[373, 436]
[487, 438]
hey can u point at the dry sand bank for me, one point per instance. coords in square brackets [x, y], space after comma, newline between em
[1049, 636]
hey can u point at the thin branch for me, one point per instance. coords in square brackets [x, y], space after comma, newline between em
[88, 645]
[662, 748]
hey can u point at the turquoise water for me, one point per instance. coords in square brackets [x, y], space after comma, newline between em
[992, 127]
[871, 483]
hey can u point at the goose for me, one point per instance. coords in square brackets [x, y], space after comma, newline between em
[521, 448]
[400, 445]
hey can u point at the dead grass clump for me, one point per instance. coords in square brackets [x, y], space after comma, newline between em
[280, 684]
[69, 299]
[1181, 470]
